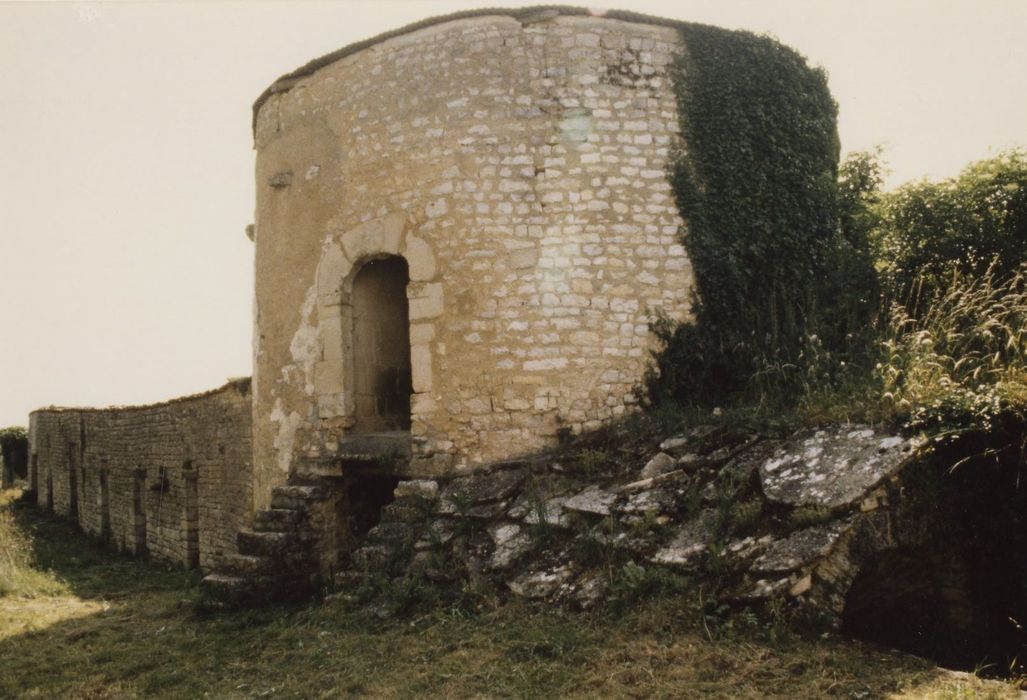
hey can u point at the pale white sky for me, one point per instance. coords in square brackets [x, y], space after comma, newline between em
[125, 274]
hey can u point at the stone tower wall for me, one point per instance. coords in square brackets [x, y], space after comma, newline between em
[153, 451]
[520, 167]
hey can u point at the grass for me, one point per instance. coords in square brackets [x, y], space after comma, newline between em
[964, 359]
[79, 622]
[17, 576]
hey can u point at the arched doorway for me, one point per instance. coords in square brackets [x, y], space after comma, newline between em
[381, 346]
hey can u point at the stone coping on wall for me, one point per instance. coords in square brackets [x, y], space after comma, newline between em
[240, 385]
[525, 15]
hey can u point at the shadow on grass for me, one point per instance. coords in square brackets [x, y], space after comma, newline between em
[89, 567]
[128, 626]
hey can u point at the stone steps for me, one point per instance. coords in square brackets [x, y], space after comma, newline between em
[271, 544]
[278, 520]
[295, 497]
[224, 591]
[250, 565]
[276, 560]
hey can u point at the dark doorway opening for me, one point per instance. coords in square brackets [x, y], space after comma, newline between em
[361, 510]
[955, 591]
[381, 346]
[367, 496]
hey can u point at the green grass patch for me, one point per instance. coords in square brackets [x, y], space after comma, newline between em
[117, 627]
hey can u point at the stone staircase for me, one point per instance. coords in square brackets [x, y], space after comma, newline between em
[280, 558]
[393, 540]
[277, 559]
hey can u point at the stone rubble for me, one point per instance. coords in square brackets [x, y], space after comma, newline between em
[768, 517]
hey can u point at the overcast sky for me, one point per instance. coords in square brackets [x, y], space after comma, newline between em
[127, 183]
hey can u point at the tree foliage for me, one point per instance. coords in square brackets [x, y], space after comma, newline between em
[13, 437]
[927, 231]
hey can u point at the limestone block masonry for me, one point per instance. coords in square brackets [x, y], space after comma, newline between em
[172, 480]
[519, 166]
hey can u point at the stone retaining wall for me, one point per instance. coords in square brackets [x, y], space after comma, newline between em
[170, 479]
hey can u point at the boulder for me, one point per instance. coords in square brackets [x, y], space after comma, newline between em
[799, 548]
[660, 464]
[691, 542]
[592, 500]
[511, 544]
[540, 584]
[483, 488]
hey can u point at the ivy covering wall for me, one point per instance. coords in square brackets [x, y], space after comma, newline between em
[756, 182]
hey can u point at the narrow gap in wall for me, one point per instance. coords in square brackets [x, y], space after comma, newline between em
[49, 489]
[81, 461]
[35, 473]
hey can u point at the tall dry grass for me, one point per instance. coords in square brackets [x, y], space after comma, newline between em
[963, 358]
[18, 575]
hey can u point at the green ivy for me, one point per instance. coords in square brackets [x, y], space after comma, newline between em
[756, 182]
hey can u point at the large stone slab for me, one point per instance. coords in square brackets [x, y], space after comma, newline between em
[799, 549]
[691, 542]
[484, 488]
[833, 468]
[592, 500]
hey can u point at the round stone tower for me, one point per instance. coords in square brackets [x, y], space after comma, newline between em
[462, 231]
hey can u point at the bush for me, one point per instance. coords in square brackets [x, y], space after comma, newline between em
[14, 450]
[929, 231]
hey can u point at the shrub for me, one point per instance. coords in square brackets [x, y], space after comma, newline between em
[928, 231]
[14, 449]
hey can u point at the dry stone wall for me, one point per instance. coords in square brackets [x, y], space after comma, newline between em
[754, 517]
[520, 168]
[172, 479]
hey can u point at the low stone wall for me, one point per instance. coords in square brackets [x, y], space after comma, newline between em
[173, 479]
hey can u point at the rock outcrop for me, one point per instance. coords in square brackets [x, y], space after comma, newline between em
[791, 517]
